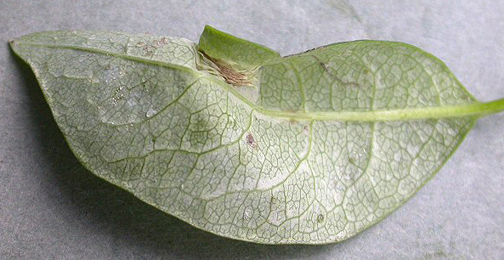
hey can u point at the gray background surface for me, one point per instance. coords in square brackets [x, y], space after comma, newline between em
[52, 208]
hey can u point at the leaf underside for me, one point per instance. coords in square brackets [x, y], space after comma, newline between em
[158, 117]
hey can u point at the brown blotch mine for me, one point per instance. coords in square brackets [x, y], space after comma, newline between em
[230, 75]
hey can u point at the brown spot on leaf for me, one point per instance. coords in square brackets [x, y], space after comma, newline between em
[351, 160]
[323, 65]
[251, 141]
[273, 203]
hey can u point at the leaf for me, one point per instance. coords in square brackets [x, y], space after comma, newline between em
[234, 139]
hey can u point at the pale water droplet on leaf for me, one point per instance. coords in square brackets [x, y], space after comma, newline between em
[150, 113]
[247, 214]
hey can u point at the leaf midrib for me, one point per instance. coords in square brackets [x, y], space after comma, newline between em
[476, 109]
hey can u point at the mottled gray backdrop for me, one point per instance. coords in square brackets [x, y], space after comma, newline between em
[52, 208]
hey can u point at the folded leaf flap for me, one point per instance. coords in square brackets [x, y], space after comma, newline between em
[234, 50]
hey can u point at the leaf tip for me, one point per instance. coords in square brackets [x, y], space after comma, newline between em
[208, 27]
[13, 44]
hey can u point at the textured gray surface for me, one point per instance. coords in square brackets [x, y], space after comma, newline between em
[50, 207]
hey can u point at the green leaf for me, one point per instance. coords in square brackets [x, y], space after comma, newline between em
[234, 139]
